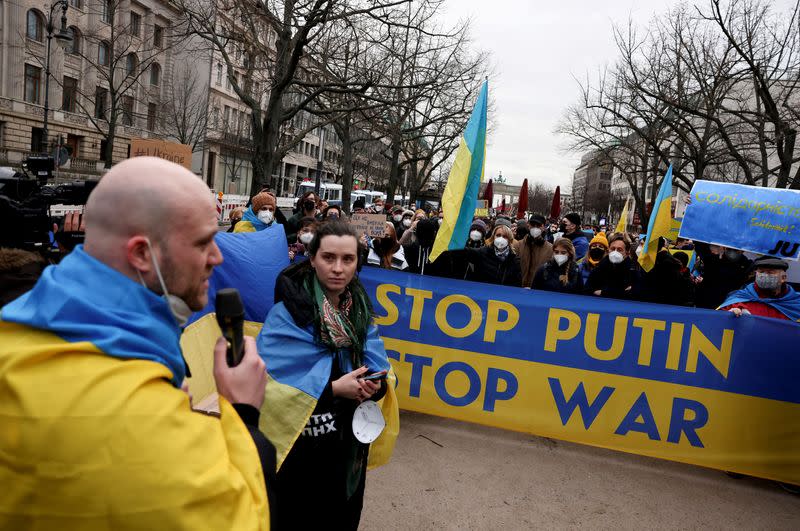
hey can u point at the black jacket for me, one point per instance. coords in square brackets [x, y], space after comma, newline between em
[547, 278]
[615, 281]
[720, 277]
[665, 284]
[485, 266]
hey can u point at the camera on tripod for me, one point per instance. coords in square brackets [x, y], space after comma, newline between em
[25, 201]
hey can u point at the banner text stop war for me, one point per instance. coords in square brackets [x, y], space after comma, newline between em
[656, 380]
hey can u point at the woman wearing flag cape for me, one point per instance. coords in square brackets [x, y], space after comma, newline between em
[319, 341]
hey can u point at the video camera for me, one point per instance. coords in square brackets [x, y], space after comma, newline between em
[25, 201]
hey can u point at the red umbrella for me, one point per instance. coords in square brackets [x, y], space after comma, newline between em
[488, 194]
[522, 204]
[555, 210]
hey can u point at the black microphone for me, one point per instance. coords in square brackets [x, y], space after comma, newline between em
[230, 317]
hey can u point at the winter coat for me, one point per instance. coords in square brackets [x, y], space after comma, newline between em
[547, 278]
[483, 265]
[665, 283]
[720, 276]
[615, 281]
[580, 242]
[533, 253]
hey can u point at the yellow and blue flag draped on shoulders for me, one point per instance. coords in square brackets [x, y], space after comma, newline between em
[461, 193]
[300, 367]
[660, 223]
[252, 263]
[95, 432]
[251, 223]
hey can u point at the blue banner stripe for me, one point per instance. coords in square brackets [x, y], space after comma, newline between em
[754, 367]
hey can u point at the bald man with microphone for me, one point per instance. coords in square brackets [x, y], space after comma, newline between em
[96, 431]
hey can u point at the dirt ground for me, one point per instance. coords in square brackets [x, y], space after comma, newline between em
[452, 475]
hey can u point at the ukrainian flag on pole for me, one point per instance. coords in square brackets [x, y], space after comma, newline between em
[660, 222]
[461, 193]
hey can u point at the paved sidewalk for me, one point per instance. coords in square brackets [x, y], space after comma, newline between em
[452, 475]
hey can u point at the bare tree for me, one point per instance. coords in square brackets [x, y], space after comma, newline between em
[262, 46]
[185, 110]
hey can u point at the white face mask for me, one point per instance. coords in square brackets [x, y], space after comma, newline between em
[397, 217]
[266, 216]
[306, 238]
[500, 242]
[406, 223]
[560, 259]
[440, 222]
[475, 235]
[615, 257]
[536, 232]
[180, 310]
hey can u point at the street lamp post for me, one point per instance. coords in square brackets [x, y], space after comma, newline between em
[320, 160]
[63, 37]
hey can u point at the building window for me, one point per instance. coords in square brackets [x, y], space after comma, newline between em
[74, 46]
[103, 50]
[226, 116]
[215, 117]
[108, 11]
[155, 74]
[37, 139]
[33, 83]
[127, 110]
[69, 94]
[136, 24]
[35, 25]
[228, 82]
[131, 62]
[158, 36]
[100, 97]
[219, 74]
[76, 3]
[151, 116]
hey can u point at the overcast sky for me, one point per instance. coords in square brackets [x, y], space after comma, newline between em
[538, 48]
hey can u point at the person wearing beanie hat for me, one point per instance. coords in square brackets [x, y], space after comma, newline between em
[571, 227]
[477, 234]
[405, 222]
[533, 250]
[598, 249]
[769, 295]
[260, 215]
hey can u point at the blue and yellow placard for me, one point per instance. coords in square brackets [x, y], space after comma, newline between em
[695, 386]
[753, 218]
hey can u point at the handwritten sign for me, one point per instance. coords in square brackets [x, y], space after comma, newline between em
[373, 225]
[751, 218]
[171, 151]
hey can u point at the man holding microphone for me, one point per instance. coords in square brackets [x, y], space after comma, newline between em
[96, 431]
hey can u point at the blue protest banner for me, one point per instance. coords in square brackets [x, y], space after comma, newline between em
[752, 218]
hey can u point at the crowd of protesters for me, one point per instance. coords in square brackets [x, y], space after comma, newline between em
[564, 255]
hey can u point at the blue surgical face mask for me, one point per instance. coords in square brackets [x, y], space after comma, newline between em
[180, 310]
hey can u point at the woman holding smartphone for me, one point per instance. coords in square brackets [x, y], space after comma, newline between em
[320, 339]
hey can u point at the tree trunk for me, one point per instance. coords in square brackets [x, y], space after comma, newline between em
[343, 132]
[108, 155]
[394, 168]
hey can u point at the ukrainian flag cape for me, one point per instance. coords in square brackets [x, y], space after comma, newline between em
[300, 367]
[461, 193]
[251, 223]
[94, 434]
[252, 263]
[788, 304]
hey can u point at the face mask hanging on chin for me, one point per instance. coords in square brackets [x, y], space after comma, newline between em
[180, 310]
